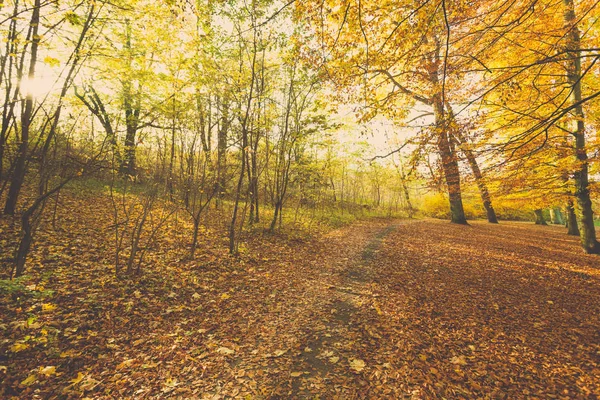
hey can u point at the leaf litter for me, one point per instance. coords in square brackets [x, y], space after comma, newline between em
[431, 310]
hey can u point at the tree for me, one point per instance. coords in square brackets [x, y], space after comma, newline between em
[413, 61]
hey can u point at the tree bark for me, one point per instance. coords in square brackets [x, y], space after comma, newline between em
[582, 193]
[483, 190]
[572, 228]
[556, 216]
[539, 217]
[221, 152]
[449, 165]
[131, 104]
[20, 164]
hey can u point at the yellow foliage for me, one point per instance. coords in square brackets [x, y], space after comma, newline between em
[436, 206]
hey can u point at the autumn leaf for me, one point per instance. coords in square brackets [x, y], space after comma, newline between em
[18, 346]
[125, 364]
[77, 379]
[278, 353]
[458, 360]
[171, 382]
[31, 379]
[47, 307]
[357, 364]
[51, 61]
[48, 371]
[225, 350]
[88, 383]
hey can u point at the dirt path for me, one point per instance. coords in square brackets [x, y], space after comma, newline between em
[432, 310]
[331, 350]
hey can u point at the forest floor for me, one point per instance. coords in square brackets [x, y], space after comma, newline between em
[378, 309]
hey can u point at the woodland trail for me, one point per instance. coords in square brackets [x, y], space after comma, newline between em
[379, 309]
[488, 316]
[339, 334]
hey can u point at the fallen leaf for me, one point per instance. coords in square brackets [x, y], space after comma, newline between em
[458, 360]
[47, 307]
[31, 379]
[125, 364]
[78, 379]
[15, 348]
[88, 383]
[48, 371]
[357, 365]
[225, 350]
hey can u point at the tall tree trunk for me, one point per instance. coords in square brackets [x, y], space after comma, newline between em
[221, 152]
[131, 104]
[483, 190]
[582, 193]
[26, 118]
[170, 175]
[238, 193]
[449, 165]
[244, 126]
[6, 73]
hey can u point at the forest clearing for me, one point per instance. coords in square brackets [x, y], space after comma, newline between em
[316, 199]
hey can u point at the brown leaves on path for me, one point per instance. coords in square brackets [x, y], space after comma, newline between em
[379, 309]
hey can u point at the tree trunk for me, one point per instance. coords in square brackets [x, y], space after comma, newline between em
[24, 246]
[275, 217]
[129, 160]
[232, 226]
[26, 116]
[221, 152]
[131, 105]
[449, 165]
[582, 193]
[572, 228]
[195, 238]
[539, 217]
[7, 71]
[483, 190]
[29, 222]
[409, 206]
[556, 216]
